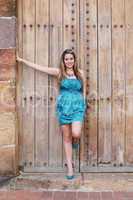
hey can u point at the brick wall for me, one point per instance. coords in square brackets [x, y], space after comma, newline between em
[8, 117]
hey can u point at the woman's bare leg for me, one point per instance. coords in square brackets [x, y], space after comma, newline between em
[67, 139]
[76, 130]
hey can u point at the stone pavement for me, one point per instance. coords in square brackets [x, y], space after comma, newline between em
[92, 186]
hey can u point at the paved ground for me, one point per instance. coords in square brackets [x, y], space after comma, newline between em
[102, 186]
[61, 195]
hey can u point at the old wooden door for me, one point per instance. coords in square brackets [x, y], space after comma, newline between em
[101, 34]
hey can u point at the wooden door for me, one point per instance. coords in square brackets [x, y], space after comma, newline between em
[107, 35]
[100, 32]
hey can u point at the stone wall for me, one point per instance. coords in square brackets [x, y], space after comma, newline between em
[8, 116]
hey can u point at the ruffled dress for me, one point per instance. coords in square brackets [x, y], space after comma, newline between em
[70, 103]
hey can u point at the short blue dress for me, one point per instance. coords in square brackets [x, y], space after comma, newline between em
[70, 103]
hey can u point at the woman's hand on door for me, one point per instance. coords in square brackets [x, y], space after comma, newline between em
[19, 59]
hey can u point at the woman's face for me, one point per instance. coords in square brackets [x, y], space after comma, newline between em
[69, 61]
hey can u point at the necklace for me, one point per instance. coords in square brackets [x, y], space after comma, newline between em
[70, 75]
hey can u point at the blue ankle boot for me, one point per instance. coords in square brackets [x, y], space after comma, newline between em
[70, 177]
[75, 145]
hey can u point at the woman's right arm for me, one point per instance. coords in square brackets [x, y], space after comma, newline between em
[49, 70]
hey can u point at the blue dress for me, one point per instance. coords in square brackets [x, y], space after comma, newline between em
[70, 103]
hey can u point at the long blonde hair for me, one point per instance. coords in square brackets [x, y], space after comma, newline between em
[62, 68]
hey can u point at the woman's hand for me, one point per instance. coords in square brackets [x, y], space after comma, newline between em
[19, 59]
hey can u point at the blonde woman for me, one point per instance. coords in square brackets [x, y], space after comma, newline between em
[70, 104]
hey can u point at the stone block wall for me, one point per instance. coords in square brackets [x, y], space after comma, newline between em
[8, 114]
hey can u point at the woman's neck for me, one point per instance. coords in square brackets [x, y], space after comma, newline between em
[70, 72]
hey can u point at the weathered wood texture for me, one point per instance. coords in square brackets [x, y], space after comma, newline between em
[129, 82]
[28, 97]
[100, 32]
[55, 45]
[118, 82]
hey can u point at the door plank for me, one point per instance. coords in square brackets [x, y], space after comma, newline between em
[92, 84]
[129, 81]
[19, 85]
[104, 81]
[28, 81]
[41, 84]
[88, 45]
[55, 50]
[118, 82]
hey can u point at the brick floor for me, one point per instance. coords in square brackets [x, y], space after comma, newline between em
[64, 195]
[95, 187]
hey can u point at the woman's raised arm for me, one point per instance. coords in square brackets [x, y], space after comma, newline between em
[48, 70]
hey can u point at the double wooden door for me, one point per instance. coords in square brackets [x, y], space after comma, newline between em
[101, 34]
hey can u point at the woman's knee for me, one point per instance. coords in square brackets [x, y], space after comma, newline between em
[76, 129]
[76, 134]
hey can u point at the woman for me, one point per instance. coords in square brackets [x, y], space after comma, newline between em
[70, 104]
